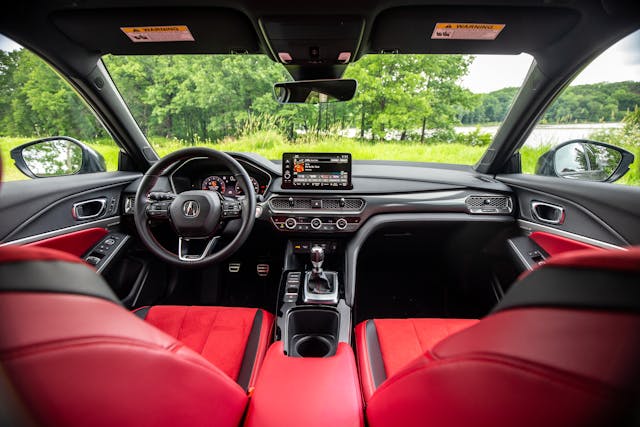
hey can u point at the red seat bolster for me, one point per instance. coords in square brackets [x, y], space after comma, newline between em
[219, 334]
[92, 352]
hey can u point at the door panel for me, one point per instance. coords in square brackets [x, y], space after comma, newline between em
[75, 242]
[595, 214]
[40, 207]
[42, 210]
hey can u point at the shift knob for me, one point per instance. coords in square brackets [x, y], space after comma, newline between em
[317, 258]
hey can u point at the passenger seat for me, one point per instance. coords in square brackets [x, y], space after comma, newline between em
[560, 349]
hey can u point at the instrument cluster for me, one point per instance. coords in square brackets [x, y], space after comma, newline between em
[228, 185]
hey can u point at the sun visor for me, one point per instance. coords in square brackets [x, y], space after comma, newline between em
[469, 30]
[159, 31]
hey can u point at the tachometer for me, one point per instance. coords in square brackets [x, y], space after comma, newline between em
[256, 186]
[214, 183]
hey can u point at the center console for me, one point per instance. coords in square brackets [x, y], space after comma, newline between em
[309, 375]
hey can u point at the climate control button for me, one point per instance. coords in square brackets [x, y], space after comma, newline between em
[316, 223]
[341, 224]
[291, 223]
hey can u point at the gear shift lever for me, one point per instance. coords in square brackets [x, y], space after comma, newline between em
[318, 282]
[317, 259]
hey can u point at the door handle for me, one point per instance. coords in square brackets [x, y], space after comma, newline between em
[548, 213]
[89, 209]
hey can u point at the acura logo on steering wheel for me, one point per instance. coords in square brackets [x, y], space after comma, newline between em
[191, 209]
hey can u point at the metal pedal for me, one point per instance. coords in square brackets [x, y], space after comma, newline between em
[234, 267]
[263, 270]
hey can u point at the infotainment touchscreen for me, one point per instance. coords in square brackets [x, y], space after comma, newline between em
[320, 171]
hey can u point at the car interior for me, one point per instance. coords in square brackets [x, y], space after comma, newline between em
[223, 288]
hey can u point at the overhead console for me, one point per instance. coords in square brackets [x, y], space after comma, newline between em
[313, 47]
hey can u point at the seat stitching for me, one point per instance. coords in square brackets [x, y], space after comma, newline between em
[213, 321]
[415, 331]
[182, 324]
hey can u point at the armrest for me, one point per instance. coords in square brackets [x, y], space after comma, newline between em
[295, 391]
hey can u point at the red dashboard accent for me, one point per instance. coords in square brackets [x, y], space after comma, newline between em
[310, 392]
[76, 243]
[554, 244]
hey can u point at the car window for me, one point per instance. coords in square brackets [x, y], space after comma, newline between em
[430, 108]
[41, 113]
[592, 130]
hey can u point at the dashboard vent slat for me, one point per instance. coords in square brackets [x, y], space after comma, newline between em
[489, 204]
[295, 203]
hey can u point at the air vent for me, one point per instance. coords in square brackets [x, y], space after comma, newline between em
[489, 204]
[294, 203]
[129, 205]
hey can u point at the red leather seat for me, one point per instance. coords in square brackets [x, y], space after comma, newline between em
[561, 349]
[75, 356]
[233, 339]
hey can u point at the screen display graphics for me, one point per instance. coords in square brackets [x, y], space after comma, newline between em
[316, 171]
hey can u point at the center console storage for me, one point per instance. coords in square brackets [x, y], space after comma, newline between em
[312, 332]
[309, 391]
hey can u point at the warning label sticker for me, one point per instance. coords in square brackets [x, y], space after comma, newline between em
[466, 31]
[167, 33]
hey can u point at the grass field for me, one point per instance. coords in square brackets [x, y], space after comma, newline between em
[271, 145]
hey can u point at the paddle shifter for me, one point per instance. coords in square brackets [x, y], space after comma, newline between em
[320, 287]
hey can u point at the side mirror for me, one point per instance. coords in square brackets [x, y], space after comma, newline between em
[315, 91]
[585, 160]
[56, 156]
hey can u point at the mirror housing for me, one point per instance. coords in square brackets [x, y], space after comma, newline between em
[585, 160]
[56, 156]
[315, 91]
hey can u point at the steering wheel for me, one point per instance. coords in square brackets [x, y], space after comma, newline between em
[197, 216]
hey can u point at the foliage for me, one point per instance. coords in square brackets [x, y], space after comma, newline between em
[594, 103]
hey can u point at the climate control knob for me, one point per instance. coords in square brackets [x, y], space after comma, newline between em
[316, 223]
[290, 223]
[341, 224]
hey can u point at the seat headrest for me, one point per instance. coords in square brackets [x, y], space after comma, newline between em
[31, 269]
[586, 279]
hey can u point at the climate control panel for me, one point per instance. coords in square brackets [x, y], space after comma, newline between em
[319, 224]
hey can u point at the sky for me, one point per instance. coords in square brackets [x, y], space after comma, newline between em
[620, 62]
[491, 72]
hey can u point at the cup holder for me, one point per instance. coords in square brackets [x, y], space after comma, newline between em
[313, 346]
[312, 332]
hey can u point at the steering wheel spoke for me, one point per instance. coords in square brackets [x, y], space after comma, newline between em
[231, 208]
[194, 213]
[186, 245]
[158, 205]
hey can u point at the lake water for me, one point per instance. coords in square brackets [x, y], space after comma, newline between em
[551, 134]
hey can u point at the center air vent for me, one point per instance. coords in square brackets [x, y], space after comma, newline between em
[489, 204]
[296, 203]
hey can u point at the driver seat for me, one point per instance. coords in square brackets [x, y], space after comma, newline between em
[75, 356]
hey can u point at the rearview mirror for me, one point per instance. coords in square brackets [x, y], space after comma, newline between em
[585, 160]
[56, 156]
[315, 91]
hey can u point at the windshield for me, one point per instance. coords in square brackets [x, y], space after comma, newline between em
[429, 108]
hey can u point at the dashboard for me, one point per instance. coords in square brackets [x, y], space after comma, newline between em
[207, 174]
[310, 193]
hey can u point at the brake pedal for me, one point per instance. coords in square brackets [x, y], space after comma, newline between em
[234, 267]
[263, 270]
